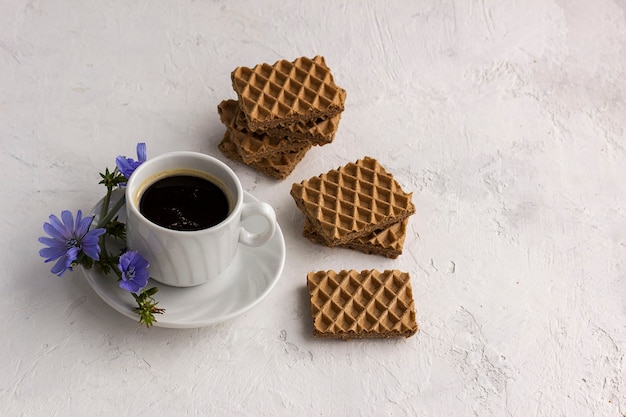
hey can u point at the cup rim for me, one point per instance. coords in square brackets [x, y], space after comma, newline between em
[131, 188]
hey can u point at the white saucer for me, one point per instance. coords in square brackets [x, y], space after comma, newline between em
[251, 276]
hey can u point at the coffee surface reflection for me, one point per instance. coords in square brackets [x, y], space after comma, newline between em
[184, 202]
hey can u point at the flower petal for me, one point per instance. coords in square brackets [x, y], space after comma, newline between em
[60, 267]
[93, 251]
[124, 165]
[142, 154]
[52, 231]
[79, 218]
[68, 220]
[72, 255]
[51, 253]
[56, 224]
[68, 237]
[124, 263]
[141, 278]
[141, 263]
[122, 162]
[52, 242]
[90, 244]
[128, 165]
[82, 225]
[90, 240]
[135, 262]
[130, 286]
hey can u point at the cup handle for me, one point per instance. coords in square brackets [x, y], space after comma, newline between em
[257, 208]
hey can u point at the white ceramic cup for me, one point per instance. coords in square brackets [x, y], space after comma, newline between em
[189, 258]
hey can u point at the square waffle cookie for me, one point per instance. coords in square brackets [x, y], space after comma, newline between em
[253, 146]
[352, 201]
[387, 242]
[366, 304]
[287, 92]
[278, 166]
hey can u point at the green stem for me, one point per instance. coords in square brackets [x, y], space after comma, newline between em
[103, 245]
[105, 205]
[103, 214]
[108, 216]
[118, 273]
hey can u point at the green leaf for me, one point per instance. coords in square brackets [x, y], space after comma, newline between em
[151, 291]
[147, 307]
[116, 229]
[112, 179]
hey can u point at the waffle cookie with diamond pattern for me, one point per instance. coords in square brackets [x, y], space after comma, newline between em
[319, 131]
[253, 146]
[278, 166]
[387, 242]
[352, 201]
[366, 304]
[287, 92]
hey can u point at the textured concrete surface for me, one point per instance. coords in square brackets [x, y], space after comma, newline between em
[505, 119]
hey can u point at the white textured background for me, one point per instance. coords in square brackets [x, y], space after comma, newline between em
[505, 118]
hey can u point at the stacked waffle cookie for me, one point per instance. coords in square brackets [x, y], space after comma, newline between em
[357, 304]
[358, 206]
[281, 111]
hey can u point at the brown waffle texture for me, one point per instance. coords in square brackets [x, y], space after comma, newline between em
[287, 92]
[352, 201]
[282, 110]
[366, 304]
[318, 132]
[387, 242]
[277, 166]
[253, 146]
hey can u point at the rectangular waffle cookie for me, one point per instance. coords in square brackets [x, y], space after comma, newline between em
[352, 201]
[387, 242]
[253, 146]
[318, 132]
[287, 92]
[366, 304]
[278, 166]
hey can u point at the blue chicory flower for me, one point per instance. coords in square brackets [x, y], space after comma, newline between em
[128, 165]
[134, 268]
[67, 239]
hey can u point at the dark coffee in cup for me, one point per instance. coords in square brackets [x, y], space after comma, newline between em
[184, 202]
[192, 257]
